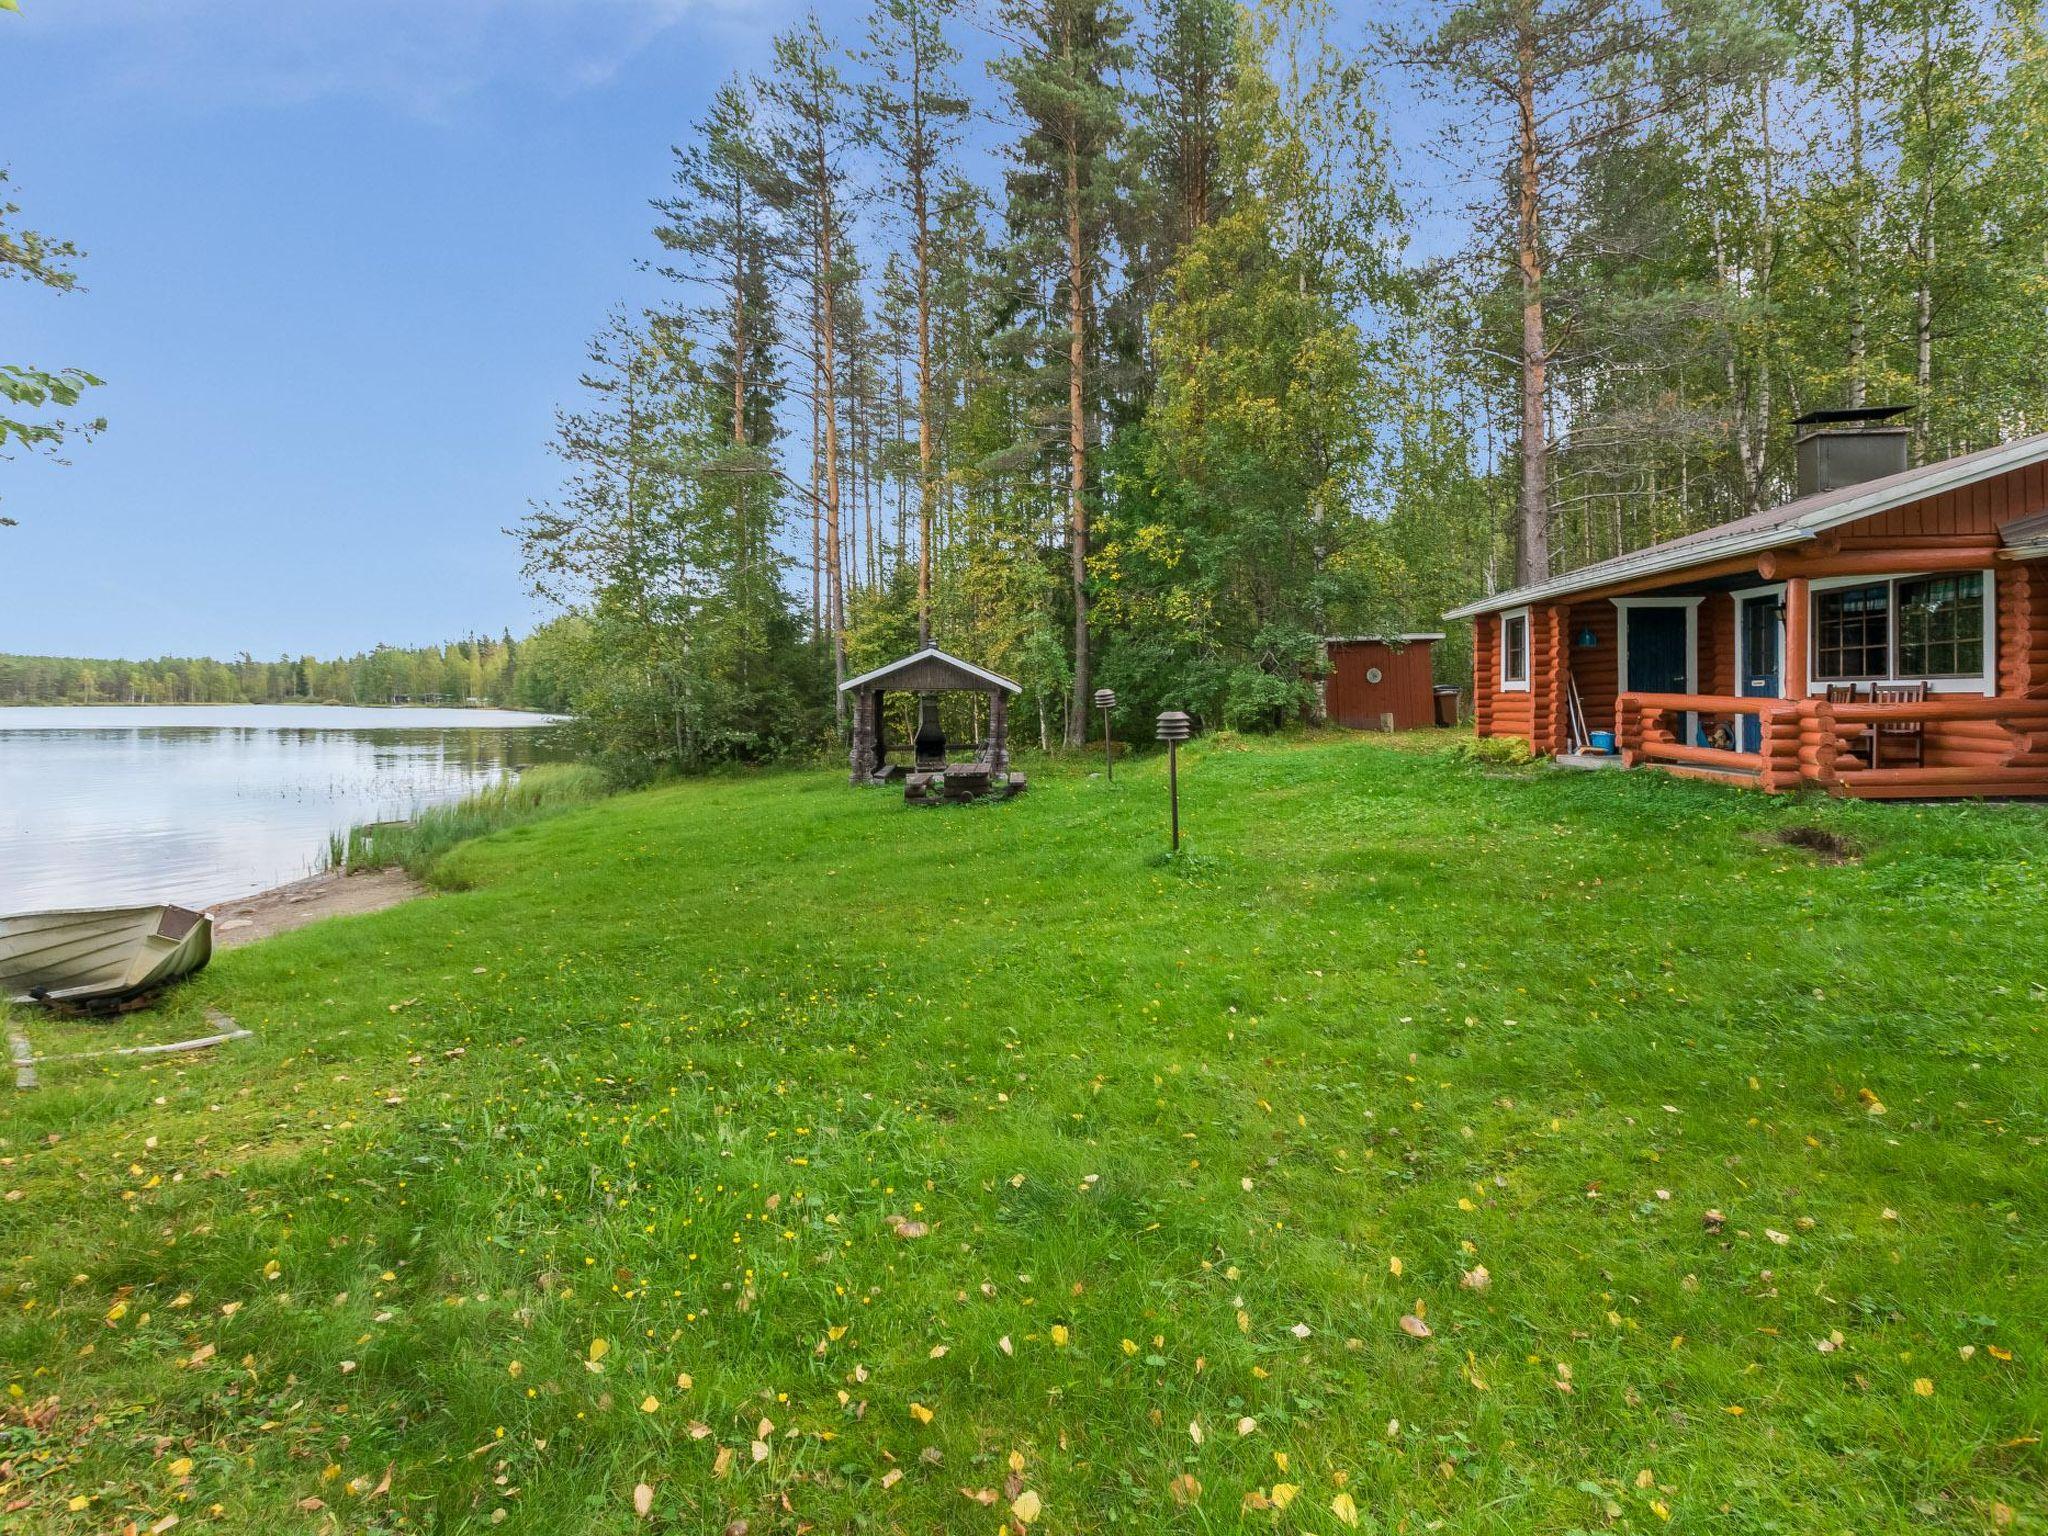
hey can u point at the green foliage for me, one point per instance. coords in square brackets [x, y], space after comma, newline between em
[33, 399]
[676, 1071]
[1494, 751]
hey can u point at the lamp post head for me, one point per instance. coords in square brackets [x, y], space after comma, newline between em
[1174, 725]
[1105, 698]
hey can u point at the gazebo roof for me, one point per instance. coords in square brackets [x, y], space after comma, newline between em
[931, 670]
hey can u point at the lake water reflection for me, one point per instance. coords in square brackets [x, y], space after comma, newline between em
[199, 803]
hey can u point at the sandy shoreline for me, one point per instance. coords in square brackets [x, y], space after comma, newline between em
[282, 908]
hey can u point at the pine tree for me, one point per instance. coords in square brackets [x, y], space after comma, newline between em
[809, 140]
[1063, 80]
[914, 114]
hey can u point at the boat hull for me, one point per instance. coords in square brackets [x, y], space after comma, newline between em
[100, 955]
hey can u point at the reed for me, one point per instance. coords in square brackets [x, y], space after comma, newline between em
[541, 791]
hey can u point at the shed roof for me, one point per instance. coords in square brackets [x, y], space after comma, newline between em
[931, 670]
[1792, 523]
[1420, 637]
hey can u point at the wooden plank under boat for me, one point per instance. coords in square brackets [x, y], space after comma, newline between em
[100, 955]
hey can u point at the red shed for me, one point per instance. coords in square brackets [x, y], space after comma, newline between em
[1374, 676]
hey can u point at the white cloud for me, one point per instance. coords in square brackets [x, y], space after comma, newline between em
[420, 56]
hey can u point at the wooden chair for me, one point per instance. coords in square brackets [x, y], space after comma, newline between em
[1911, 734]
[1844, 693]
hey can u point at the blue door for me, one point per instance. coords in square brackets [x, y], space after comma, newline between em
[1759, 637]
[1656, 650]
[1657, 660]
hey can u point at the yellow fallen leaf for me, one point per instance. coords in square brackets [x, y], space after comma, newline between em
[649, 1403]
[1922, 1387]
[599, 1349]
[919, 1412]
[1060, 1335]
[1345, 1508]
[1283, 1494]
[181, 1466]
[1026, 1507]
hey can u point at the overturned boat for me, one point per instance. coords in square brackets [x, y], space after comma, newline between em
[100, 957]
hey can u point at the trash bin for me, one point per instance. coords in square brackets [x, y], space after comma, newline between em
[1447, 695]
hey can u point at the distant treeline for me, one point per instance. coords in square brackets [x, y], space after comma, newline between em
[525, 674]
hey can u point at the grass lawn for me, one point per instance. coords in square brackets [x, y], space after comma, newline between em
[826, 1165]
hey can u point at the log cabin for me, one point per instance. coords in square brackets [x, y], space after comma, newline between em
[1882, 636]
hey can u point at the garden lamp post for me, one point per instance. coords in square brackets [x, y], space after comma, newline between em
[1174, 727]
[1105, 700]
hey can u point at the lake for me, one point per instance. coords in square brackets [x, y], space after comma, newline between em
[199, 803]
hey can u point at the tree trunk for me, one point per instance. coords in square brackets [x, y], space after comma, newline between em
[920, 197]
[1077, 439]
[1859, 338]
[835, 589]
[1533, 557]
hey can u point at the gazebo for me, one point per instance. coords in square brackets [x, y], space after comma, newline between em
[931, 777]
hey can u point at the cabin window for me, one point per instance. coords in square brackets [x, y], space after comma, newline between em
[1941, 626]
[1514, 650]
[1909, 627]
[1851, 627]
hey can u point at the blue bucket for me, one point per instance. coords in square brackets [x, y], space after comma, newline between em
[1602, 741]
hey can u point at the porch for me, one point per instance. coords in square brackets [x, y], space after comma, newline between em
[1790, 683]
[1992, 747]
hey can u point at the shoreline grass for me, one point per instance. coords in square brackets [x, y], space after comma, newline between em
[546, 789]
[811, 1160]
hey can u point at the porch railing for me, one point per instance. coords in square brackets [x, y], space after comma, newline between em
[1644, 730]
[1821, 743]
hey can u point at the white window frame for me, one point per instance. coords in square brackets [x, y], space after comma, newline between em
[1521, 684]
[1987, 684]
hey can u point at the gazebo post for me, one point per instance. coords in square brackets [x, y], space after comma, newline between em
[867, 725]
[998, 732]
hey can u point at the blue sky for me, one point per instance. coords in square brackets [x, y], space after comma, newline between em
[342, 261]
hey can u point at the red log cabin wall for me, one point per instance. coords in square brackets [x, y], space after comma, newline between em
[1405, 689]
[1485, 672]
[1968, 520]
[1498, 711]
[1962, 521]
[1595, 667]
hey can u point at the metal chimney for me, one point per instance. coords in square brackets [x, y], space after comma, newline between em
[1848, 447]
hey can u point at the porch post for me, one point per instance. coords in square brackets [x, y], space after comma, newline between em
[1797, 606]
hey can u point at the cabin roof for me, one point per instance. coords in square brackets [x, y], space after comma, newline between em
[931, 670]
[2027, 537]
[1792, 523]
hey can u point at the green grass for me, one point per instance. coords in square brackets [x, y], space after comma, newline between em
[661, 1071]
[546, 789]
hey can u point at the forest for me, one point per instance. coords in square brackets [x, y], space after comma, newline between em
[1261, 325]
[519, 674]
[1141, 345]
